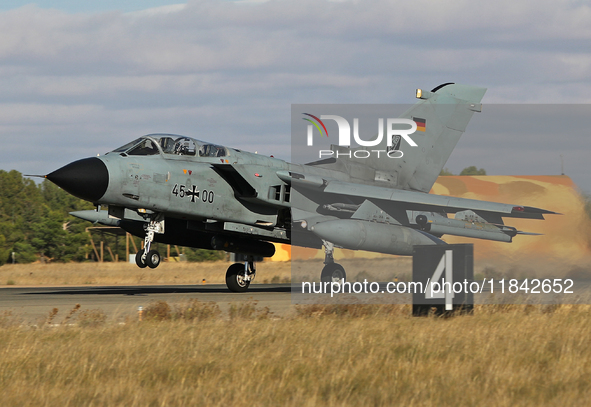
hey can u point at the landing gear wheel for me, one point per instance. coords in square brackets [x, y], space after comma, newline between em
[333, 273]
[235, 278]
[138, 259]
[153, 259]
[147, 256]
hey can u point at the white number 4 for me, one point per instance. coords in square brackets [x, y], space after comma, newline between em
[446, 263]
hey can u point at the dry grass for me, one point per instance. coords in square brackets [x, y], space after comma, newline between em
[326, 355]
[379, 269]
[129, 274]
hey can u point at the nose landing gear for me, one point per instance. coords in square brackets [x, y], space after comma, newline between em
[146, 257]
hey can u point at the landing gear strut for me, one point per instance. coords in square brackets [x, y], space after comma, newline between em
[147, 257]
[332, 272]
[239, 275]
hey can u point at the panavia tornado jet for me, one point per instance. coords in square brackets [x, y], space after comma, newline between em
[179, 190]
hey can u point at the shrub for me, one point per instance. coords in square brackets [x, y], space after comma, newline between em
[157, 311]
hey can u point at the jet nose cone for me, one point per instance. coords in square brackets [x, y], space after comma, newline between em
[87, 179]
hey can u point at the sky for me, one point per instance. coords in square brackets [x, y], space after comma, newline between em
[79, 79]
[77, 6]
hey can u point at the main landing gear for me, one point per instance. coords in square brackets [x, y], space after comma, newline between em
[332, 272]
[146, 257]
[239, 275]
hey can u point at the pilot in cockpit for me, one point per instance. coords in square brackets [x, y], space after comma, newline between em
[167, 144]
[211, 150]
[184, 146]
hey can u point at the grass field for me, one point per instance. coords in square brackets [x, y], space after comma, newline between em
[192, 354]
[384, 269]
[129, 274]
[121, 273]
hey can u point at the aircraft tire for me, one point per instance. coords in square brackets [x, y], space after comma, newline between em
[138, 259]
[153, 259]
[234, 278]
[333, 272]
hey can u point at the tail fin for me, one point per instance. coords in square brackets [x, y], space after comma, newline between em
[441, 116]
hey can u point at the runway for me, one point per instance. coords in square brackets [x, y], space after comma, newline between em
[33, 304]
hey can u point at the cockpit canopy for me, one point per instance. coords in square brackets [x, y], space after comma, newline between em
[171, 144]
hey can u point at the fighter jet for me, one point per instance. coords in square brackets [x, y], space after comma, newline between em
[180, 190]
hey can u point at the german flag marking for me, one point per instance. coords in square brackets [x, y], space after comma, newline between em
[421, 123]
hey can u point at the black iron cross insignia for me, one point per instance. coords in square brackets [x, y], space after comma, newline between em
[193, 194]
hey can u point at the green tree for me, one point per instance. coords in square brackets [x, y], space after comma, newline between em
[34, 221]
[472, 170]
[24, 252]
[4, 251]
[199, 255]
